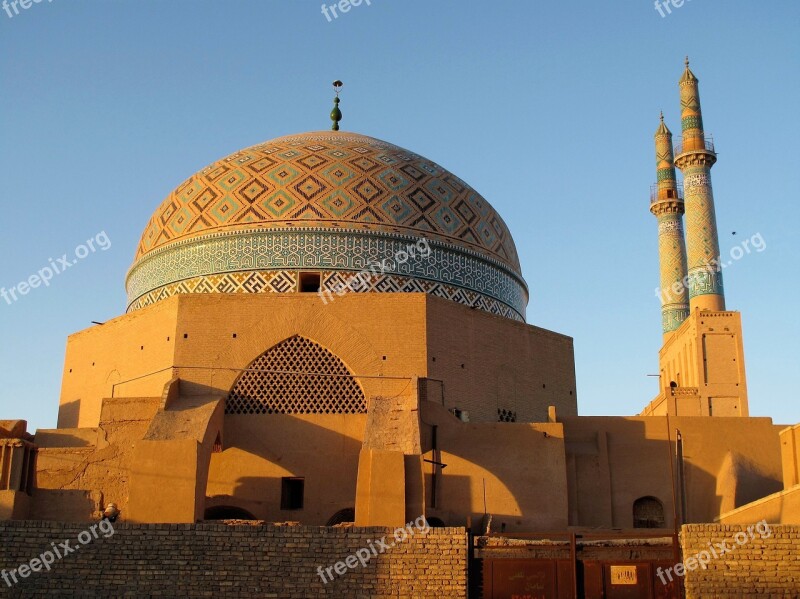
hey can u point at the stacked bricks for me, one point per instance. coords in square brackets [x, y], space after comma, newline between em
[218, 560]
[764, 566]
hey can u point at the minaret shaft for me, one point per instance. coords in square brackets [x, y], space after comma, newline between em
[667, 205]
[695, 158]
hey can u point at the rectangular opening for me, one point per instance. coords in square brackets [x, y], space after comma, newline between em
[309, 282]
[292, 493]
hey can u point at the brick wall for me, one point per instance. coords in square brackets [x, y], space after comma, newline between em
[215, 560]
[767, 565]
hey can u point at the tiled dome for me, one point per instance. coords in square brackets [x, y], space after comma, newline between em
[313, 192]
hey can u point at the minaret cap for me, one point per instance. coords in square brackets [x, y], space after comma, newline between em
[336, 114]
[662, 128]
[687, 74]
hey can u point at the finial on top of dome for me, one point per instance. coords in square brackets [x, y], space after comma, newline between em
[336, 114]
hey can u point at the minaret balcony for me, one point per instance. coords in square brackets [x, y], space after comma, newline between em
[666, 195]
[694, 144]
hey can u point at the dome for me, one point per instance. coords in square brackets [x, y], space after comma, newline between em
[332, 204]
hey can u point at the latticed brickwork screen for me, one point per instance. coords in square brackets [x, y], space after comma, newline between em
[297, 376]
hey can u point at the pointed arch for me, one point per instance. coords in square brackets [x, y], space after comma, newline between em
[296, 376]
[648, 512]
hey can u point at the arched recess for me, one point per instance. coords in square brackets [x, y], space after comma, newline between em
[296, 376]
[227, 512]
[648, 512]
[342, 516]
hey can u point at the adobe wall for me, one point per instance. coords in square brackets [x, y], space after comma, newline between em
[80, 471]
[767, 565]
[779, 508]
[514, 471]
[261, 449]
[489, 363]
[706, 353]
[215, 560]
[612, 461]
[385, 339]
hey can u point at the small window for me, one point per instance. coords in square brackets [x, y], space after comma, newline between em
[292, 493]
[670, 193]
[309, 282]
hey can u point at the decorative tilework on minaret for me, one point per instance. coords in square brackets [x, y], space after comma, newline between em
[667, 205]
[695, 157]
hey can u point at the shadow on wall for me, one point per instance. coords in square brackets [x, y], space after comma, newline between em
[68, 414]
[594, 476]
[613, 461]
[64, 505]
[262, 452]
[739, 473]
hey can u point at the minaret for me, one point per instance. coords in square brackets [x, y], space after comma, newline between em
[666, 204]
[695, 157]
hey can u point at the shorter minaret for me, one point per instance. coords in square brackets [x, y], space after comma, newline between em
[666, 203]
[695, 157]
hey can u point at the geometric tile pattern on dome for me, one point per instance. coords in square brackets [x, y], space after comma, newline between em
[235, 282]
[383, 283]
[331, 180]
[286, 281]
[221, 260]
[296, 376]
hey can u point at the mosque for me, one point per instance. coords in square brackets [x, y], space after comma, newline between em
[328, 328]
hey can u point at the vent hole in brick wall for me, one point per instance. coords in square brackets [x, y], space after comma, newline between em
[384, 357]
[506, 415]
[186, 335]
[234, 335]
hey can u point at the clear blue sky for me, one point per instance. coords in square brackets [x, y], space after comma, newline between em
[547, 108]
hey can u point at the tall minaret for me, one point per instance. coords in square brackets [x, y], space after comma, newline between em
[695, 157]
[667, 205]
